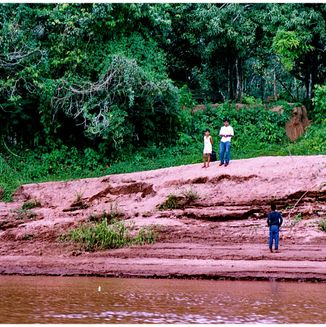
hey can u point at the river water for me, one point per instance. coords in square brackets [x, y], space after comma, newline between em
[106, 300]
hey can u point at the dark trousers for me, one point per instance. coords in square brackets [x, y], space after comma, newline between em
[273, 235]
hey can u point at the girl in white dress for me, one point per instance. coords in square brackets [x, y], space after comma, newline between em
[208, 142]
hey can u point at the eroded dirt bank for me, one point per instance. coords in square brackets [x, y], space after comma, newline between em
[222, 234]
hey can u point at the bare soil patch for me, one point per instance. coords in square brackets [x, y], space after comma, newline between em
[220, 234]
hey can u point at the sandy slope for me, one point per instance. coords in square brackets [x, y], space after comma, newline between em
[223, 234]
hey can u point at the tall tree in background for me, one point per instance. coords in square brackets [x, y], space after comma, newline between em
[108, 74]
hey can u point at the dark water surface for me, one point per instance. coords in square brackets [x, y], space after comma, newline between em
[100, 300]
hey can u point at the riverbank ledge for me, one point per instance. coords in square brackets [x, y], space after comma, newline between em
[220, 234]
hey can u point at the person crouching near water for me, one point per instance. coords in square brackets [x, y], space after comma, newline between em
[274, 221]
[208, 147]
[226, 132]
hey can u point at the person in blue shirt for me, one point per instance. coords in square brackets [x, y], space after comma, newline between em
[274, 221]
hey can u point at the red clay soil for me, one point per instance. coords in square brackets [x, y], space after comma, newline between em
[222, 234]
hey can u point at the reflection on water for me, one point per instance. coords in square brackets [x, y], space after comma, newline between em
[95, 300]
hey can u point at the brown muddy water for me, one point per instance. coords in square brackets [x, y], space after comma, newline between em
[100, 300]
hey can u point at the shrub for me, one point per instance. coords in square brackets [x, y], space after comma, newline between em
[298, 217]
[30, 204]
[114, 214]
[172, 202]
[250, 100]
[22, 214]
[319, 102]
[104, 235]
[79, 202]
[177, 202]
[190, 195]
[322, 225]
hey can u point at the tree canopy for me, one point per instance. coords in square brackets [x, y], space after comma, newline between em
[111, 75]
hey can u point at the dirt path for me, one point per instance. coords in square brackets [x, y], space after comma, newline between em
[222, 234]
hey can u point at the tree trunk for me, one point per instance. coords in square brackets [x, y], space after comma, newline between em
[274, 82]
[310, 86]
[262, 91]
[229, 81]
[238, 81]
[231, 95]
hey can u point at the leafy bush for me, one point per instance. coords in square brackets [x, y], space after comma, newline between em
[319, 102]
[30, 204]
[114, 214]
[105, 235]
[172, 202]
[190, 195]
[22, 214]
[322, 225]
[298, 217]
[177, 202]
[250, 100]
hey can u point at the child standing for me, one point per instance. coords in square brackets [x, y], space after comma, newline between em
[208, 142]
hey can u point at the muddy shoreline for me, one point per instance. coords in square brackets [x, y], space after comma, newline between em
[221, 235]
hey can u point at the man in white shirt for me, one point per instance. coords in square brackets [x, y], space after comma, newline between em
[226, 132]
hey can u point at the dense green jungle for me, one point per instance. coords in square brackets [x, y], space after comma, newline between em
[94, 89]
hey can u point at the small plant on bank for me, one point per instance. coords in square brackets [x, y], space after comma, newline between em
[190, 195]
[22, 214]
[177, 202]
[79, 202]
[105, 235]
[145, 236]
[322, 225]
[30, 204]
[114, 214]
[172, 202]
[28, 237]
[298, 217]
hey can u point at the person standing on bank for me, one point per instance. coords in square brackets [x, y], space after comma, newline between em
[274, 222]
[226, 132]
[208, 148]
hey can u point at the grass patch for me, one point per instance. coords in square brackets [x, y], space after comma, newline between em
[109, 235]
[22, 214]
[322, 225]
[30, 204]
[298, 217]
[79, 202]
[171, 202]
[178, 202]
[28, 237]
[190, 195]
[114, 214]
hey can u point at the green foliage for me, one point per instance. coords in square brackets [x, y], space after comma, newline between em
[177, 202]
[93, 89]
[312, 142]
[30, 204]
[298, 217]
[22, 214]
[104, 235]
[250, 100]
[258, 132]
[190, 195]
[289, 46]
[186, 98]
[322, 225]
[114, 214]
[172, 202]
[319, 102]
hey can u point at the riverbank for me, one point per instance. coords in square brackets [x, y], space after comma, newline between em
[220, 235]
